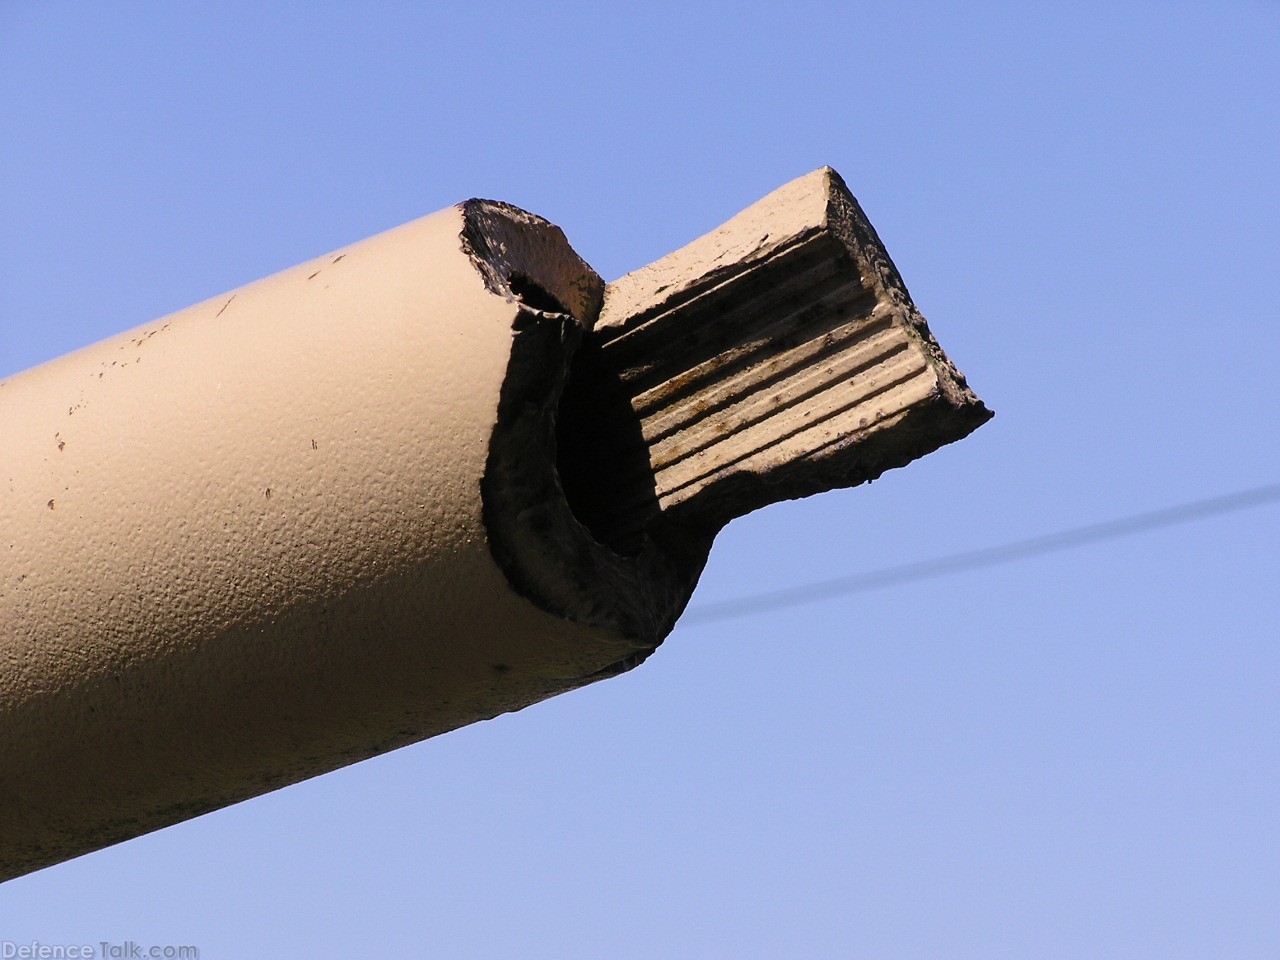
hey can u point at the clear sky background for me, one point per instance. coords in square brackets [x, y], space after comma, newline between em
[1074, 755]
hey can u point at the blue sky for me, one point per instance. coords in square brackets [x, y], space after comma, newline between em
[1074, 755]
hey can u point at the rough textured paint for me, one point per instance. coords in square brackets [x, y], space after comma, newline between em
[244, 544]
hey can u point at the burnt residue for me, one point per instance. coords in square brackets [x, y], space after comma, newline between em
[540, 488]
[547, 551]
[601, 453]
[529, 292]
[509, 245]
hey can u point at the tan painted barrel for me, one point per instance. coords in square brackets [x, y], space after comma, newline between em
[353, 505]
[247, 543]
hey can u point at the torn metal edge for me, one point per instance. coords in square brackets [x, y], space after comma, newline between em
[677, 336]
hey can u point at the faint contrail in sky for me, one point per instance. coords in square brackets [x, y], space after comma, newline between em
[985, 557]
